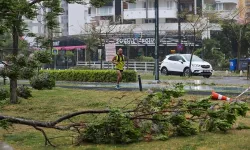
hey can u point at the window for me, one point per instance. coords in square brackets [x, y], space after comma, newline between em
[148, 20]
[219, 6]
[169, 4]
[131, 6]
[180, 58]
[89, 11]
[173, 58]
[104, 11]
[195, 58]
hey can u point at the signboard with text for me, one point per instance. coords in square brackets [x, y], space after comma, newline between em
[110, 51]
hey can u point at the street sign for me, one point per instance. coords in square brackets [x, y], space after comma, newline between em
[179, 47]
[55, 52]
[110, 51]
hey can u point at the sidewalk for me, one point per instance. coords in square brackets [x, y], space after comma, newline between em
[148, 84]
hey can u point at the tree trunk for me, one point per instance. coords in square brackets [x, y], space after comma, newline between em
[13, 81]
[192, 53]
[238, 55]
[13, 91]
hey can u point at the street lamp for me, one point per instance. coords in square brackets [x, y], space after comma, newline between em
[156, 40]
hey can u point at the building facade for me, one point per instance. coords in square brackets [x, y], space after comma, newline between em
[37, 26]
[141, 15]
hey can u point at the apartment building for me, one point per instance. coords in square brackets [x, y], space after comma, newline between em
[244, 11]
[37, 25]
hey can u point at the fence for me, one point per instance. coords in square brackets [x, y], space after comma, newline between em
[137, 66]
[133, 65]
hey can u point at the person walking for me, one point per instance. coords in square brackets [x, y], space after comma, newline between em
[119, 61]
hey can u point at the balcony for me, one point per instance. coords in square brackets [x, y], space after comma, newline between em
[227, 1]
[140, 13]
[223, 10]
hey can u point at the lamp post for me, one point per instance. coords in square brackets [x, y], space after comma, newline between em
[179, 21]
[156, 40]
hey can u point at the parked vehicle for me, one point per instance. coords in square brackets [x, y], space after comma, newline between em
[178, 64]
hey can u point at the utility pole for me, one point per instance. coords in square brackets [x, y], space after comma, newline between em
[179, 22]
[157, 40]
[147, 11]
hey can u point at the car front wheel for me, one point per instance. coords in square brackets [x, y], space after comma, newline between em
[186, 72]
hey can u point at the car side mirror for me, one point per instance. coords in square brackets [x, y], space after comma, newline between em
[181, 61]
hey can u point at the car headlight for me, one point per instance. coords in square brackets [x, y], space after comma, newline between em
[195, 65]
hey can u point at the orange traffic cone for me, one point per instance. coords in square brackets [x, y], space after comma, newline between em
[217, 96]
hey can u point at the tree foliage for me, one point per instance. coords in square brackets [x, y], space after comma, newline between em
[237, 35]
[12, 15]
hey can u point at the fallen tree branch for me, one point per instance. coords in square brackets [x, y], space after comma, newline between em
[52, 124]
[47, 141]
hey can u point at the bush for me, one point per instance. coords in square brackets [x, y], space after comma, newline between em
[24, 92]
[81, 68]
[43, 56]
[3, 94]
[43, 81]
[27, 73]
[91, 75]
[225, 64]
[145, 59]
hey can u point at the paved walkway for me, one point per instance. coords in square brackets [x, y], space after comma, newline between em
[4, 146]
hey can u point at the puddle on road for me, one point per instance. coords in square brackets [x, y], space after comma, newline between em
[210, 88]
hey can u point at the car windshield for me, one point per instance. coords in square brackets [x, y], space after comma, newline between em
[195, 58]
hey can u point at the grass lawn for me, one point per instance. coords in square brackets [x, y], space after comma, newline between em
[49, 105]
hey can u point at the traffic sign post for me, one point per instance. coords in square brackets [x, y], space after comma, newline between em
[55, 52]
[179, 47]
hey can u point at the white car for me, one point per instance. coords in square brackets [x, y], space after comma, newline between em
[178, 64]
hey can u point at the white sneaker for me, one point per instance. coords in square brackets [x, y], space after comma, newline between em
[117, 87]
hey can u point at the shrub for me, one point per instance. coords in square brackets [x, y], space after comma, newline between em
[145, 59]
[24, 92]
[43, 56]
[27, 73]
[43, 81]
[225, 64]
[3, 94]
[81, 68]
[91, 75]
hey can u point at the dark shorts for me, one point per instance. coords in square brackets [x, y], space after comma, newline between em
[119, 70]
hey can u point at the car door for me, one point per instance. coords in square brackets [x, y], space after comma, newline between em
[179, 65]
[172, 60]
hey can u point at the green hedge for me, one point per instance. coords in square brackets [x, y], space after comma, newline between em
[91, 75]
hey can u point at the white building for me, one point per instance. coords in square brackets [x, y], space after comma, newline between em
[142, 14]
[37, 26]
[78, 15]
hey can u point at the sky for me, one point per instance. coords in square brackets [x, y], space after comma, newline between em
[77, 18]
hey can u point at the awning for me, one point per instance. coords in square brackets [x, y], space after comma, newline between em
[70, 47]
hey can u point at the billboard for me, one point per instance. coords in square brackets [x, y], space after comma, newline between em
[110, 51]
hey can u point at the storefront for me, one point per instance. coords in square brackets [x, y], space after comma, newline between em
[69, 44]
[133, 46]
